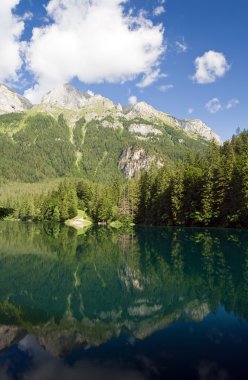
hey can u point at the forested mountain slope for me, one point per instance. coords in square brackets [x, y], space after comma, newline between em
[76, 134]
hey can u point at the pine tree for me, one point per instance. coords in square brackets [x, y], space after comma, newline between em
[177, 197]
[228, 162]
[206, 215]
[244, 192]
[56, 214]
[144, 198]
[85, 191]
[30, 209]
[192, 194]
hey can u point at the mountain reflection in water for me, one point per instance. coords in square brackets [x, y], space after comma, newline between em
[149, 303]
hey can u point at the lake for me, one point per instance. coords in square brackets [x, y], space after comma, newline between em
[149, 303]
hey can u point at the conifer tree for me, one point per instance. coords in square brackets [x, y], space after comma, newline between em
[177, 197]
[144, 197]
[244, 192]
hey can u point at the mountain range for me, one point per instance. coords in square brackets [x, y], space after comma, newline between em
[72, 133]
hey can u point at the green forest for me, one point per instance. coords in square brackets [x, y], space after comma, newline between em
[37, 146]
[209, 189]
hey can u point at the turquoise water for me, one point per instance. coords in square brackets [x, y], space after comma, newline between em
[151, 303]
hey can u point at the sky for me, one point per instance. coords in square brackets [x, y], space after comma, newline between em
[186, 58]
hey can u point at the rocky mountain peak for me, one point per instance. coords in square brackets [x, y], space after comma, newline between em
[143, 109]
[69, 97]
[198, 127]
[10, 101]
[66, 96]
[100, 101]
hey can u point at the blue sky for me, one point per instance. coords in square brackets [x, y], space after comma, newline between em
[98, 53]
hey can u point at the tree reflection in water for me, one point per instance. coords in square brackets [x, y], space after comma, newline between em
[74, 291]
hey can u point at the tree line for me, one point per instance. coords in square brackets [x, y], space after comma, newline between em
[203, 190]
[208, 190]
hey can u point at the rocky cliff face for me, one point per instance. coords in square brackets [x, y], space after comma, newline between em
[199, 128]
[10, 101]
[195, 127]
[144, 129]
[134, 160]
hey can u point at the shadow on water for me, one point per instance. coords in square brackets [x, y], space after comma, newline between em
[148, 303]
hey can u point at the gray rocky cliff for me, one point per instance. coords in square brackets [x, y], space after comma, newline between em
[66, 96]
[10, 101]
[133, 161]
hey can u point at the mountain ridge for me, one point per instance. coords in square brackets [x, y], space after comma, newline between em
[68, 97]
[93, 138]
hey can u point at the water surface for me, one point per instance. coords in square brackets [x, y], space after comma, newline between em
[152, 303]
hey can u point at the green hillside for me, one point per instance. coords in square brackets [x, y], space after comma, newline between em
[38, 145]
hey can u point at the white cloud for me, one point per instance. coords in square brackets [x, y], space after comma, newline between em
[165, 87]
[190, 111]
[90, 93]
[11, 28]
[213, 106]
[27, 16]
[132, 100]
[159, 10]
[232, 103]
[150, 77]
[209, 67]
[94, 41]
[181, 46]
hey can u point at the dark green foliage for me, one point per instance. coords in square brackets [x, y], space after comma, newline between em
[56, 206]
[37, 146]
[99, 201]
[211, 191]
[10, 121]
[78, 133]
[103, 147]
[4, 212]
[40, 150]
[101, 152]
[62, 204]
